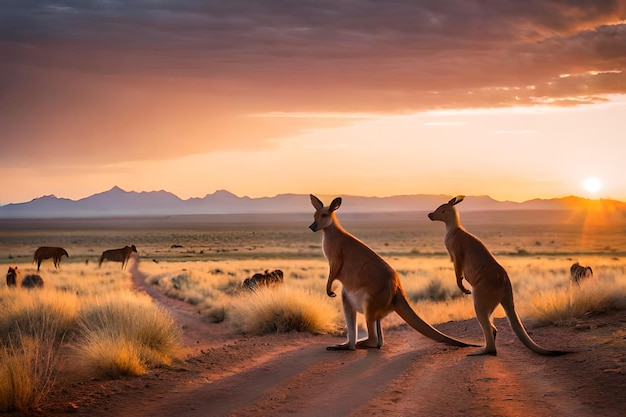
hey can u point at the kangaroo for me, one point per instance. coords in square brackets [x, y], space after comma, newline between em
[370, 285]
[490, 282]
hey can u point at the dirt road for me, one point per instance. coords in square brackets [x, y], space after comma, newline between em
[226, 374]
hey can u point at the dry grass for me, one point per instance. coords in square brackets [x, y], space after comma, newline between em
[591, 297]
[428, 281]
[28, 313]
[126, 334]
[283, 309]
[27, 365]
[112, 330]
[32, 327]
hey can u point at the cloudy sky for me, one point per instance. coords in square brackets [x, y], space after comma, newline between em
[514, 99]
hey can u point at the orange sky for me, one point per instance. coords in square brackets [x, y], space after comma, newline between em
[512, 99]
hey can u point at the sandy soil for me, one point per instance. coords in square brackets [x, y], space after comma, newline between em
[227, 374]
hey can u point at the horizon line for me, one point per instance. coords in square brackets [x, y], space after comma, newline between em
[599, 198]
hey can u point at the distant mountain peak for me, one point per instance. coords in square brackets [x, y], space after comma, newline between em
[118, 202]
[223, 193]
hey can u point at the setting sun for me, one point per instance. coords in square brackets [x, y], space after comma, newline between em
[592, 185]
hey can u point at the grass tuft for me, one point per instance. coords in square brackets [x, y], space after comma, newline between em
[106, 353]
[124, 334]
[27, 366]
[562, 306]
[28, 313]
[284, 309]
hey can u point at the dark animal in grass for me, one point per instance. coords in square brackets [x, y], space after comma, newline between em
[32, 281]
[12, 277]
[118, 255]
[580, 273]
[47, 252]
[267, 279]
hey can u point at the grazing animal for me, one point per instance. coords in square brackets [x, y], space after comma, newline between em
[490, 282]
[118, 255]
[47, 252]
[579, 273]
[12, 277]
[266, 279]
[32, 281]
[370, 285]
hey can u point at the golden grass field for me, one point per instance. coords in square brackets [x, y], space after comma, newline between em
[93, 314]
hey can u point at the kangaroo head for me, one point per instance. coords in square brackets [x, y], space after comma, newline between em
[323, 215]
[447, 212]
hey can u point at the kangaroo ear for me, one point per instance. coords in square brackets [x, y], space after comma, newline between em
[335, 204]
[317, 203]
[456, 200]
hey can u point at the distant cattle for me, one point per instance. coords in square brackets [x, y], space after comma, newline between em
[12, 277]
[32, 281]
[266, 279]
[579, 273]
[47, 252]
[118, 255]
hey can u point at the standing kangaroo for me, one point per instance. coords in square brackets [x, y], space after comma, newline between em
[370, 285]
[490, 282]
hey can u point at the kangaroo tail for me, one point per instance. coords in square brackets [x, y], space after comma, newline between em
[404, 310]
[522, 334]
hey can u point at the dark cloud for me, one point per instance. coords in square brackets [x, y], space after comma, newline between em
[150, 73]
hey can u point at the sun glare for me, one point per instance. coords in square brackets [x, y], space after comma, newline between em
[592, 185]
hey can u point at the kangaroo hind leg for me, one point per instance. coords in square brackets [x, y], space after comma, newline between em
[484, 309]
[374, 335]
[349, 313]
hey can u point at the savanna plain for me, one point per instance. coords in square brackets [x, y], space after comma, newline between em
[175, 332]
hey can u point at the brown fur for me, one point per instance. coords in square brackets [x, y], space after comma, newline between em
[370, 285]
[580, 273]
[12, 277]
[490, 282]
[118, 255]
[32, 281]
[47, 252]
[267, 279]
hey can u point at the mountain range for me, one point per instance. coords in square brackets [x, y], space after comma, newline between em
[117, 202]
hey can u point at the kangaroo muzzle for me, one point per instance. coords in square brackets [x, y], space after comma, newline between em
[313, 226]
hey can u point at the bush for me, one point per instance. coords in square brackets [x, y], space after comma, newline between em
[434, 291]
[560, 306]
[125, 334]
[283, 309]
[29, 313]
[27, 364]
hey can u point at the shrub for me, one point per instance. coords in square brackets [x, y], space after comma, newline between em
[108, 353]
[27, 364]
[283, 309]
[31, 313]
[125, 334]
[560, 306]
[434, 291]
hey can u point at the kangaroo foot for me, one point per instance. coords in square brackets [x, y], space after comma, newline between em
[342, 346]
[484, 351]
